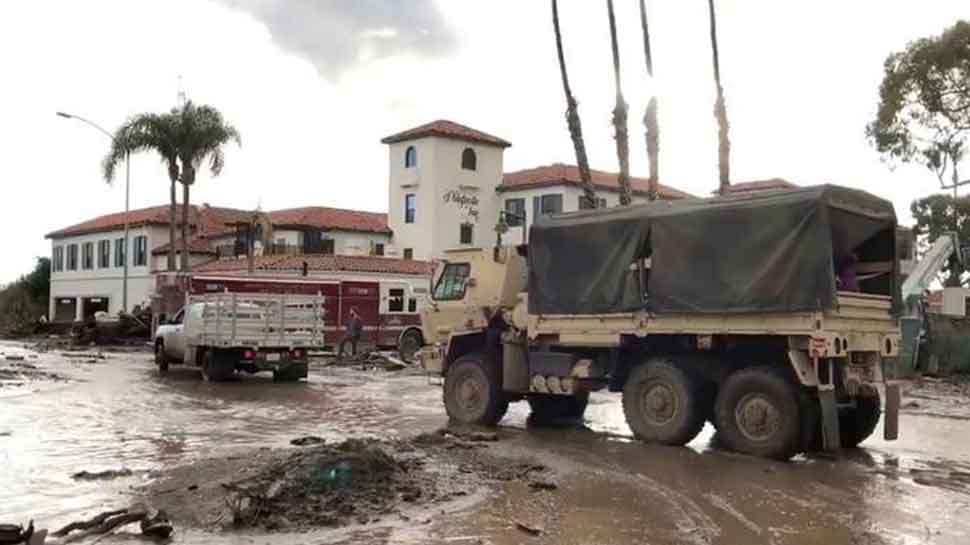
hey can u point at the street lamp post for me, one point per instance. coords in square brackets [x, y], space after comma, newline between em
[124, 252]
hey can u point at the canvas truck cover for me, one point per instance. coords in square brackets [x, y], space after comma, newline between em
[769, 251]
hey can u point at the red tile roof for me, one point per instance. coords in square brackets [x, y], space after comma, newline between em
[760, 185]
[446, 129]
[196, 246]
[559, 174]
[155, 215]
[370, 264]
[340, 219]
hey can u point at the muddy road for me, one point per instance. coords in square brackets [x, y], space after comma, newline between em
[116, 413]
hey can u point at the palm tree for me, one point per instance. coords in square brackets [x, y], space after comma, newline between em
[720, 113]
[149, 132]
[619, 118]
[650, 117]
[202, 134]
[184, 138]
[572, 118]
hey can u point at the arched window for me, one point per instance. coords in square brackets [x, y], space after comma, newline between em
[468, 159]
[410, 157]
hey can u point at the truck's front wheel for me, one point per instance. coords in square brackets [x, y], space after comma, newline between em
[758, 411]
[662, 403]
[473, 394]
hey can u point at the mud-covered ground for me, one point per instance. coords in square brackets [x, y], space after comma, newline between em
[218, 458]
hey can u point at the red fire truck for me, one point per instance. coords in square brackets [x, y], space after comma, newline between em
[388, 308]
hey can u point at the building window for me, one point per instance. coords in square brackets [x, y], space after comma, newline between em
[466, 233]
[140, 251]
[584, 204]
[412, 305]
[87, 256]
[514, 212]
[104, 254]
[327, 246]
[395, 300]
[410, 201]
[451, 284]
[72, 257]
[119, 252]
[468, 160]
[58, 259]
[410, 157]
[379, 248]
[546, 204]
[408, 253]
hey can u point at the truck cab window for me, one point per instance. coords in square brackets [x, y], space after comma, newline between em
[395, 300]
[177, 319]
[451, 283]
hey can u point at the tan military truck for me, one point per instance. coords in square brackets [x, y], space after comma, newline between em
[726, 310]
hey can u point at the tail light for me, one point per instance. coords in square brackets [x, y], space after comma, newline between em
[297, 354]
[249, 355]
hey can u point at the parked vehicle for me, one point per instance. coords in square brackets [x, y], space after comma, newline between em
[388, 308]
[724, 310]
[224, 333]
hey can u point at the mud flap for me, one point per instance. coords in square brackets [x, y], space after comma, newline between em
[830, 418]
[890, 425]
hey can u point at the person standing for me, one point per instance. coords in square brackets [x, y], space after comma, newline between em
[355, 327]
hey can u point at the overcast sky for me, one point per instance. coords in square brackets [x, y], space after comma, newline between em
[313, 86]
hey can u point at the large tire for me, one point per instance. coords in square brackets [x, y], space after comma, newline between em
[857, 424]
[411, 341]
[662, 403]
[473, 393]
[759, 411]
[161, 360]
[217, 367]
[548, 408]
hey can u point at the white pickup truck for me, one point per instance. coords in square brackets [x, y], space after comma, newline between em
[228, 332]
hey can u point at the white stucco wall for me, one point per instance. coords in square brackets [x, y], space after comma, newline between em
[447, 195]
[103, 282]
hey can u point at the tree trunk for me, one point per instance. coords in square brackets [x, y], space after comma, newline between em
[720, 113]
[172, 218]
[620, 118]
[185, 227]
[652, 134]
[572, 118]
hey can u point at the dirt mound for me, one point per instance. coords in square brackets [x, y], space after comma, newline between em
[357, 481]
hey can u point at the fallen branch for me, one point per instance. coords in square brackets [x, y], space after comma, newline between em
[152, 524]
[90, 523]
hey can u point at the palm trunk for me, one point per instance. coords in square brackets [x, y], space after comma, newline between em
[620, 119]
[172, 218]
[185, 227]
[720, 113]
[572, 118]
[650, 116]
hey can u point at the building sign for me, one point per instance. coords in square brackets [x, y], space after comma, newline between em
[465, 203]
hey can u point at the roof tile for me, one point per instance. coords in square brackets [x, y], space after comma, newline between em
[323, 217]
[559, 173]
[446, 129]
[370, 264]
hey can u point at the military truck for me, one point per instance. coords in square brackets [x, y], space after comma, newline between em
[725, 309]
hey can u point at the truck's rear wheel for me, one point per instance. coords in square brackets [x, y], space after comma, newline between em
[662, 403]
[472, 392]
[758, 411]
[411, 341]
[161, 360]
[217, 366]
[547, 408]
[857, 424]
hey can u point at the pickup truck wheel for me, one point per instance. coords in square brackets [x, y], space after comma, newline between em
[161, 361]
[409, 345]
[472, 392]
[857, 424]
[217, 367]
[662, 403]
[759, 411]
[547, 408]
